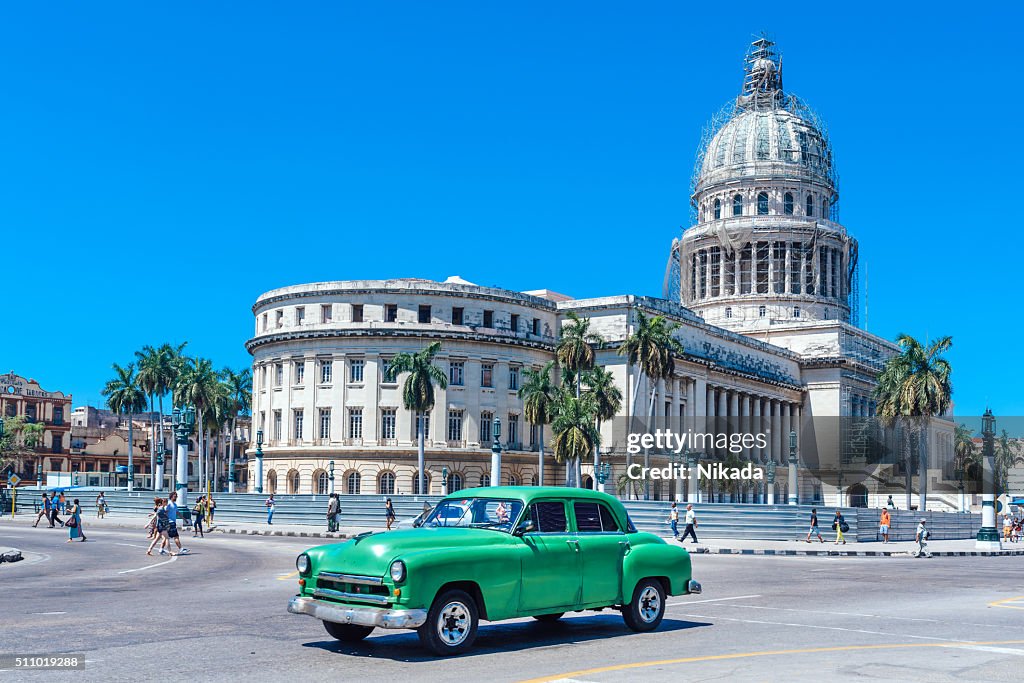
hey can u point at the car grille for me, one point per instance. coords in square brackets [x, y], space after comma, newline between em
[351, 587]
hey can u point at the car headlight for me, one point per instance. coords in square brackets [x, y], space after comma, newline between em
[398, 571]
[302, 563]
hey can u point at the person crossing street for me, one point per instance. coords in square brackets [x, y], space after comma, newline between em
[691, 524]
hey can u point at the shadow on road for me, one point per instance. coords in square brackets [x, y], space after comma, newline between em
[404, 646]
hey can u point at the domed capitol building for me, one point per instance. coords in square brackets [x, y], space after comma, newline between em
[763, 285]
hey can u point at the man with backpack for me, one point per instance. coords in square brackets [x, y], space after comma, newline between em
[922, 540]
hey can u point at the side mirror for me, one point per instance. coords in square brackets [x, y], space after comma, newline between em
[525, 527]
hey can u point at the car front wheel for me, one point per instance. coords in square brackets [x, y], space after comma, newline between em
[647, 608]
[451, 624]
[348, 633]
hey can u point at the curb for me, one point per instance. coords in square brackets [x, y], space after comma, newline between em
[298, 534]
[852, 553]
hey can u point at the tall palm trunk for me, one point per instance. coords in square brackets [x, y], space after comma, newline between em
[152, 446]
[922, 451]
[419, 454]
[231, 455]
[540, 458]
[906, 459]
[647, 453]
[131, 466]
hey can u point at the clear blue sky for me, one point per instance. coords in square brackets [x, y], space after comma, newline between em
[161, 165]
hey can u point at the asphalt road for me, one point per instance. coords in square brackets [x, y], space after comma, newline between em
[219, 614]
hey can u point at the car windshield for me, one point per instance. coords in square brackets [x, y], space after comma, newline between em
[482, 513]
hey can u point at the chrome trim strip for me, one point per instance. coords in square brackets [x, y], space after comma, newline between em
[361, 616]
[341, 595]
[693, 587]
[352, 578]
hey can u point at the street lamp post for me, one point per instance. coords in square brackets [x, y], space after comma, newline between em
[158, 480]
[692, 476]
[183, 420]
[604, 470]
[444, 480]
[330, 477]
[259, 461]
[793, 495]
[771, 482]
[496, 454]
[988, 535]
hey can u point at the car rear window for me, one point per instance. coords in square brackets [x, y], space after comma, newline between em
[594, 517]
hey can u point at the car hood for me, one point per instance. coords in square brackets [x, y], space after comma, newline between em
[372, 554]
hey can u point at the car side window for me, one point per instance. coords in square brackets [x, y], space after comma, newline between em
[594, 517]
[549, 517]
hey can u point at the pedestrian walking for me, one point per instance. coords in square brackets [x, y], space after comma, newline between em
[332, 512]
[841, 527]
[62, 503]
[1007, 528]
[54, 509]
[922, 539]
[890, 504]
[74, 522]
[270, 504]
[883, 525]
[691, 524]
[172, 523]
[197, 517]
[389, 514]
[44, 511]
[211, 507]
[160, 525]
[814, 530]
[673, 521]
[101, 506]
[151, 520]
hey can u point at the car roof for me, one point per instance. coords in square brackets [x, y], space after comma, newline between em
[528, 493]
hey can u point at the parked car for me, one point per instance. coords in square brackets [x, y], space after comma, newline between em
[492, 554]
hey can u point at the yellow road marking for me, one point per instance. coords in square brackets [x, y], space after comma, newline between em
[1002, 603]
[763, 653]
[285, 577]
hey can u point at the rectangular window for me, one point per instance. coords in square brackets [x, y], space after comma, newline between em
[486, 426]
[279, 318]
[326, 371]
[729, 274]
[487, 375]
[457, 313]
[716, 270]
[326, 313]
[300, 372]
[357, 313]
[278, 374]
[388, 418]
[549, 517]
[455, 425]
[456, 371]
[763, 254]
[488, 319]
[513, 431]
[325, 423]
[264, 322]
[277, 426]
[534, 434]
[513, 378]
[300, 315]
[795, 285]
[745, 270]
[424, 314]
[778, 267]
[536, 326]
[514, 323]
[386, 374]
[390, 313]
[426, 426]
[809, 269]
[56, 443]
[297, 422]
[355, 370]
[355, 423]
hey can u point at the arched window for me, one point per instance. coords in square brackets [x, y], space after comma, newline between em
[761, 310]
[737, 205]
[485, 480]
[416, 483]
[824, 208]
[293, 481]
[386, 483]
[272, 481]
[810, 205]
[728, 311]
[718, 209]
[454, 482]
[796, 311]
[787, 203]
[762, 204]
[352, 483]
[323, 483]
[588, 482]
[826, 314]
[513, 480]
[533, 480]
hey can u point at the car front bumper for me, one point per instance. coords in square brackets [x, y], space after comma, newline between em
[693, 587]
[378, 617]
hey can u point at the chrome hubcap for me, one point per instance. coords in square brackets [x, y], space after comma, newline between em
[453, 623]
[650, 604]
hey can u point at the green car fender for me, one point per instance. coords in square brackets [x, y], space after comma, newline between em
[650, 556]
[490, 573]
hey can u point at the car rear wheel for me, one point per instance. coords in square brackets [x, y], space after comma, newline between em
[548, 618]
[451, 624]
[647, 608]
[348, 633]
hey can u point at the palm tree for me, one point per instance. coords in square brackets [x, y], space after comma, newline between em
[196, 385]
[965, 456]
[149, 381]
[124, 396]
[915, 385]
[608, 399]
[1006, 451]
[575, 354]
[172, 363]
[239, 388]
[538, 396]
[574, 430]
[652, 349]
[418, 392]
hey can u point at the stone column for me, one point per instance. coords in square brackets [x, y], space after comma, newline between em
[788, 278]
[745, 423]
[776, 429]
[722, 415]
[757, 426]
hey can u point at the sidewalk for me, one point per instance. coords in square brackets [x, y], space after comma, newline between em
[713, 546]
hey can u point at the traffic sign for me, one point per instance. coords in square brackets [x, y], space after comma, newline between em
[14, 480]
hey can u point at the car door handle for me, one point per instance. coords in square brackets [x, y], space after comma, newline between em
[574, 544]
[626, 547]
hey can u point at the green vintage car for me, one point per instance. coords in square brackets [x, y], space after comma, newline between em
[493, 553]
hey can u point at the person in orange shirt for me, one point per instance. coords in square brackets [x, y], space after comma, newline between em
[883, 525]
